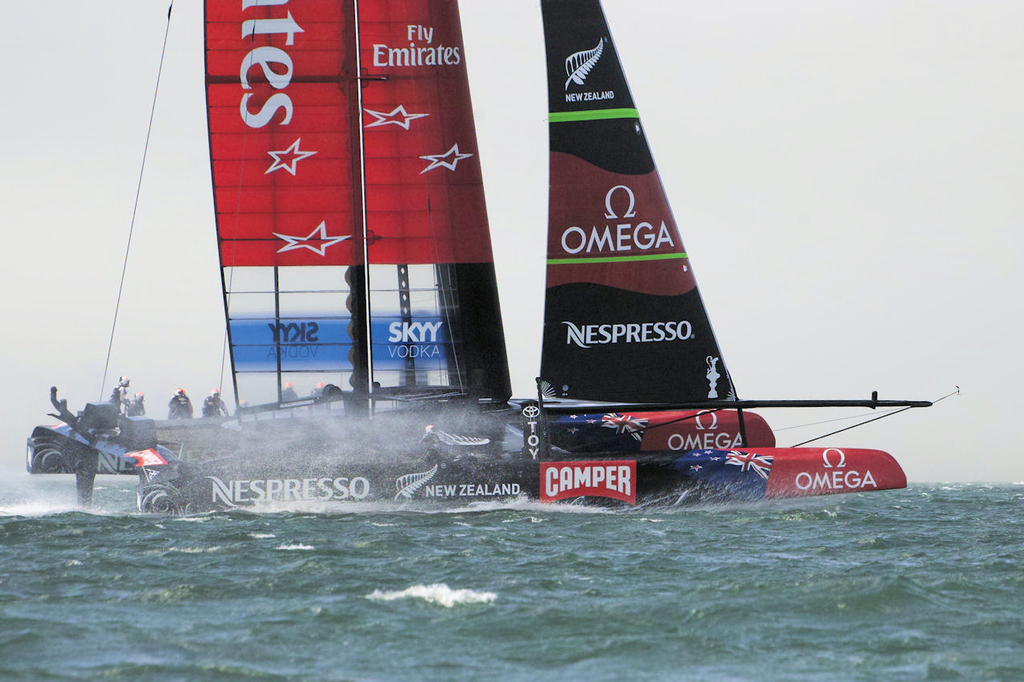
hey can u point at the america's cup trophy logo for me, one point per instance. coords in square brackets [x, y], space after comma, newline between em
[712, 376]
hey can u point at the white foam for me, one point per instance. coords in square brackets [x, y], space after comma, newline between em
[438, 594]
[22, 494]
[195, 550]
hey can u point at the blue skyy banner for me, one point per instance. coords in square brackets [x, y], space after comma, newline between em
[420, 341]
[324, 343]
[307, 344]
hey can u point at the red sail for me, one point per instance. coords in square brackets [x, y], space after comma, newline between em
[434, 317]
[350, 209]
[281, 80]
[424, 191]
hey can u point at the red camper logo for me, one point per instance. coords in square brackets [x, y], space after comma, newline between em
[615, 479]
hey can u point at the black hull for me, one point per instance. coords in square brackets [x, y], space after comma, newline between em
[441, 455]
[225, 485]
[328, 460]
[201, 466]
[221, 486]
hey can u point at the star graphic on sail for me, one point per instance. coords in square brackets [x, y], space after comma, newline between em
[398, 116]
[317, 235]
[287, 159]
[449, 159]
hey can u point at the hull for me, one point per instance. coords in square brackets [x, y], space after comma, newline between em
[660, 430]
[427, 457]
[658, 479]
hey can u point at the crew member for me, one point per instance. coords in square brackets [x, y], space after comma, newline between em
[119, 396]
[288, 392]
[137, 407]
[432, 442]
[213, 406]
[180, 406]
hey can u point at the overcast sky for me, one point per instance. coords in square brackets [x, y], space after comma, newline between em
[848, 178]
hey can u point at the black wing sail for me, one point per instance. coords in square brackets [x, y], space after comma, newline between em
[623, 318]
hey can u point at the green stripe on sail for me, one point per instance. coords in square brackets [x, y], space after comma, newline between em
[615, 259]
[591, 115]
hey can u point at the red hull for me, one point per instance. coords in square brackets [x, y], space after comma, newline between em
[798, 472]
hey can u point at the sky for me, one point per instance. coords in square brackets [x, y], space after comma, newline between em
[847, 177]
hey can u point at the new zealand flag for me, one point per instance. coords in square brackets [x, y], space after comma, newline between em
[603, 432]
[741, 474]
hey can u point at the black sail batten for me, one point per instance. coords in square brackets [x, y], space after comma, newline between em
[624, 320]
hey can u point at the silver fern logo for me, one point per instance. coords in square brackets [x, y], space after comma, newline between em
[410, 483]
[578, 65]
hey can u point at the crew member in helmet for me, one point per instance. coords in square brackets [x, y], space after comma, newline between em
[119, 396]
[137, 407]
[288, 392]
[213, 406]
[180, 406]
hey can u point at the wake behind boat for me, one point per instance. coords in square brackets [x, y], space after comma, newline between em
[355, 252]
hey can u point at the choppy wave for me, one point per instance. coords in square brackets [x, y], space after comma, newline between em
[923, 583]
[438, 593]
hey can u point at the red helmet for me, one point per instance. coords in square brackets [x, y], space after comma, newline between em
[180, 391]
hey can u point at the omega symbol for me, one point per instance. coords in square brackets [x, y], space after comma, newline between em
[840, 464]
[610, 212]
[714, 420]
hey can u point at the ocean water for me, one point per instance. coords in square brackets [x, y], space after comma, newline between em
[920, 584]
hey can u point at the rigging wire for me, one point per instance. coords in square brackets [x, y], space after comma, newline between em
[867, 421]
[135, 206]
[697, 415]
[873, 419]
[823, 421]
[850, 417]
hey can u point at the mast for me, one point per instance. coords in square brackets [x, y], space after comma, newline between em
[364, 383]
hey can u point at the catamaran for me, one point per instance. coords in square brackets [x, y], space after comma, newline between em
[355, 254]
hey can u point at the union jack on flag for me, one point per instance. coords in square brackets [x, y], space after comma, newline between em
[624, 423]
[749, 461]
